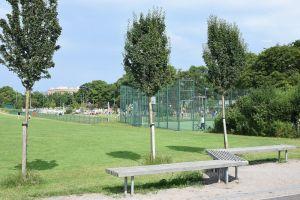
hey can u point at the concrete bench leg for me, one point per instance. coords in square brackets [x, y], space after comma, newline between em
[286, 155]
[278, 156]
[236, 173]
[125, 185]
[226, 175]
[219, 175]
[132, 186]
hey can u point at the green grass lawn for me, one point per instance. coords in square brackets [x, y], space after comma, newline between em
[71, 158]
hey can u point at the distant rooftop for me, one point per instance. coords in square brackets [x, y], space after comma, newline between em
[62, 90]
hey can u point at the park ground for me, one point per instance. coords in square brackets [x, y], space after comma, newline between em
[71, 158]
[256, 182]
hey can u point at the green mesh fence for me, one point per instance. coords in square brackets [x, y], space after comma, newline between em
[176, 107]
[84, 119]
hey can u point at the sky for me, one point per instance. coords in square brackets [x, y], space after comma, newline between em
[94, 31]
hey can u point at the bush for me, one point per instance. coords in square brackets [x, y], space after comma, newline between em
[264, 112]
[16, 180]
[284, 129]
[69, 110]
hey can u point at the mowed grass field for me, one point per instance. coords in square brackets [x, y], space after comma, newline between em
[71, 158]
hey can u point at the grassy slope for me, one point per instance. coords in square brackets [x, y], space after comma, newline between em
[71, 157]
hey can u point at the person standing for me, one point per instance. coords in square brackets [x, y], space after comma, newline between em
[202, 125]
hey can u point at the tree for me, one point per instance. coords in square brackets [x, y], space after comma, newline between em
[7, 96]
[38, 100]
[247, 75]
[96, 92]
[278, 66]
[225, 58]
[296, 44]
[146, 58]
[199, 75]
[27, 44]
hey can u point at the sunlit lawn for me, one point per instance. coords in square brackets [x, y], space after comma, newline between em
[71, 158]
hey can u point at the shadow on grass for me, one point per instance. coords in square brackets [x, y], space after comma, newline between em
[39, 164]
[187, 149]
[183, 179]
[262, 161]
[125, 155]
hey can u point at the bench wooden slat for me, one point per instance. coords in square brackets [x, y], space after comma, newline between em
[174, 167]
[243, 150]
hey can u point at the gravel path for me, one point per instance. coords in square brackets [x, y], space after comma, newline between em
[256, 182]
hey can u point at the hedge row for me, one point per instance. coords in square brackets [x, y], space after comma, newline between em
[265, 112]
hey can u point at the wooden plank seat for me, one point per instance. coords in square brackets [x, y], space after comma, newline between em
[258, 149]
[173, 167]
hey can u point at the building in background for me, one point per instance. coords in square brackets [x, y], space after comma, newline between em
[62, 90]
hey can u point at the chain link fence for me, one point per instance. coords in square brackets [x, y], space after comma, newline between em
[177, 106]
[84, 119]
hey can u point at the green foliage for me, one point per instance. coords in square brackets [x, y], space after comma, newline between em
[284, 129]
[17, 180]
[96, 92]
[235, 121]
[247, 76]
[59, 100]
[264, 112]
[278, 66]
[147, 52]
[296, 43]
[69, 110]
[38, 100]
[28, 39]
[8, 96]
[199, 75]
[159, 159]
[224, 54]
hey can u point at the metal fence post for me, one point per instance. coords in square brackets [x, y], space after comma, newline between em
[178, 106]
[167, 107]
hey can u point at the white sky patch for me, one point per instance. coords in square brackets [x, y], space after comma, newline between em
[93, 33]
[3, 11]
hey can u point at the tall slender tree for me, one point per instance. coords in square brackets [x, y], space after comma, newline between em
[224, 56]
[27, 43]
[146, 58]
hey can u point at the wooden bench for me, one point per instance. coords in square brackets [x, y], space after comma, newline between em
[258, 149]
[125, 172]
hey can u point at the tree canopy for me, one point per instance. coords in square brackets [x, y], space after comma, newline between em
[224, 54]
[96, 92]
[8, 96]
[147, 52]
[278, 66]
[28, 39]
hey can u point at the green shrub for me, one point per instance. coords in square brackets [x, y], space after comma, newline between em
[69, 110]
[16, 180]
[159, 159]
[284, 129]
[264, 112]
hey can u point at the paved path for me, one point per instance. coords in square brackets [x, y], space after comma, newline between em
[292, 197]
[257, 182]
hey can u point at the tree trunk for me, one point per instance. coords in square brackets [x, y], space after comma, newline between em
[25, 134]
[152, 129]
[224, 122]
